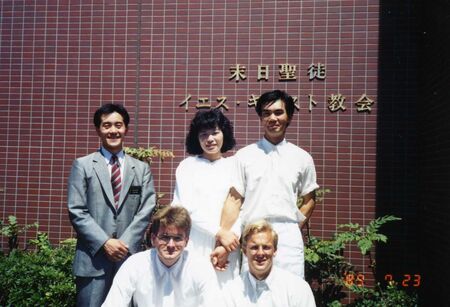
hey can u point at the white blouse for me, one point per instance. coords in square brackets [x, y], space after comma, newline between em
[202, 187]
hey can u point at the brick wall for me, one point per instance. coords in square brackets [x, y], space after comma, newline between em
[60, 61]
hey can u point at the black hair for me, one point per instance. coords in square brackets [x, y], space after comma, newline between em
[271, 97]
[209, 120]
[108, 109]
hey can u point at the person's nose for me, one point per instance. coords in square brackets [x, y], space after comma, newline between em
[260, 251]
[272, 117]
[113, 129]
[171, 243]
[210, 138]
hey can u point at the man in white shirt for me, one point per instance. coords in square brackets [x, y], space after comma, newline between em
[270, 175]
[166, 275]
[265, 285]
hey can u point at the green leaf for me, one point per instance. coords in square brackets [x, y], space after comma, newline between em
[365, 245]
[38, 277]
[146, 154]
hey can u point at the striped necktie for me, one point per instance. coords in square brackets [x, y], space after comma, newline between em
[116, 181]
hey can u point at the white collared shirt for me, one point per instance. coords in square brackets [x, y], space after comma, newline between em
[120, 156]
[144, 279]
[280, 289]
[270, 177]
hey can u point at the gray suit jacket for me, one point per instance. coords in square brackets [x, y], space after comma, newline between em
[93, 216]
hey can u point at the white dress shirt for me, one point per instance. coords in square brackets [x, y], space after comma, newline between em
[144, 279]
[202, 187]
[280, 289]
[120, 157]
[270, 177]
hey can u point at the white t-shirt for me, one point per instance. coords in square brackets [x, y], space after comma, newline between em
[270, 177]
[144, 279]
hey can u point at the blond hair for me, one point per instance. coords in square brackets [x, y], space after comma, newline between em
[258, 227]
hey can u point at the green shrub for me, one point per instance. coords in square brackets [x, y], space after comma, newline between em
[11, 230]
[42, 277]
[390, 296]
[325, 268]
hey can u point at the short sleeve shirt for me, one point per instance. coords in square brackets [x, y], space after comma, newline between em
[270, 177]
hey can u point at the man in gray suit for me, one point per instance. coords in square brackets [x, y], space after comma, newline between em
[110, 199]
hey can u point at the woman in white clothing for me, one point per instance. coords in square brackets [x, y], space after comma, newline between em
[203, 181]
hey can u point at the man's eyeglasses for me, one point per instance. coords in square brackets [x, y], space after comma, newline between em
[166, 238]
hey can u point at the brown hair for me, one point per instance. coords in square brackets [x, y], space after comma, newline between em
[171, 216]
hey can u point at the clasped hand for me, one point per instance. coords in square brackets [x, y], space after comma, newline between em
[226, 242]
[115, 250]
[228, 239]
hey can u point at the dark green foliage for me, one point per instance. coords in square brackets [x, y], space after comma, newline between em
[325, 268]
[12, 231]
[38, 278]
[391, 296]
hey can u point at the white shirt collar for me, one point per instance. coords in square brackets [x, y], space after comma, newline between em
[204, 160]
[269, 280]
[267, 146]
[162, 269]
[105, 153]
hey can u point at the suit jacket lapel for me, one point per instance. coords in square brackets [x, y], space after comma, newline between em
[101, 169]
[127, 178]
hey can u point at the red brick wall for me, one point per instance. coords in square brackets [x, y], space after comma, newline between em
[60, 61]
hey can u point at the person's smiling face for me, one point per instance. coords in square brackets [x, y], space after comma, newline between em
[275, 121]
[260, 251]
[112, 132]
[211, 141]
[169, 244]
